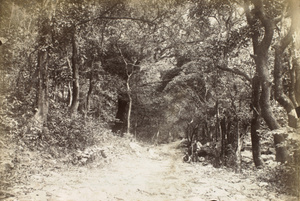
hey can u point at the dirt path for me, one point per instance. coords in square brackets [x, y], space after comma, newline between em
[155, 173]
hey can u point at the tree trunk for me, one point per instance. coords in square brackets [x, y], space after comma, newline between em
[88, 97]
[130, 104]
[69, 98]
[296, 66]
[255, 140]
[91, 86]
[120, 123]
[255, 123]
[292, 72]
[296, 69]
[296, 57]
[282, 99]
[289, 102]
[223, 141]
[129, 94]
[217, 129]
[295, 13]
[285, 101]
[260, 49]
[42, 98]
[75, 76]
[266, 110]
[238, 154]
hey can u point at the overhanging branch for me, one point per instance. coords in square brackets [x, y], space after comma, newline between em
[102, 16]
[123, 18]
[235, 71]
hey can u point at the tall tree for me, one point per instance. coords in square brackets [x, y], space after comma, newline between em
[75, 74]
[288, 38]
[266, 15]
[262, 18]
[44, 45]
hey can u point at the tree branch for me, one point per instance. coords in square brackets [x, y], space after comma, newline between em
[102, 16]
[266, 22]
[251, 21]
[125, 18]
[104, 13]
[235, 71]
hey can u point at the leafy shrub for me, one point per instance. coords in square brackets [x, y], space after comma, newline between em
[6, 110]
[71, 133]
[61, 135]
[14, 115]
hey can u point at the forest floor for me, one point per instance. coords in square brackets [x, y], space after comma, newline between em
[135, 172]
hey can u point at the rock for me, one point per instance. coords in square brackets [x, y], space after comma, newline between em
[271, 163]
[268, 151]
[103, 154]
[136, 148]
[152, 154]
[268, 157]
[263, 184]
[202, 153]
[183, 143]
[201, 159]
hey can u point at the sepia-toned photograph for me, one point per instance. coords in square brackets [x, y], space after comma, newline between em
[149, 100]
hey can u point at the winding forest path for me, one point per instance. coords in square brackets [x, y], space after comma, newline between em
[148, 173]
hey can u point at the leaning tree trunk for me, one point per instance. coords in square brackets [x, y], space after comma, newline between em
[266, 110]
[296, 55]
[295, 71]
[261, 48]
[295, 13]
[42, 96]
[296, 66]
[285, 101]
[290, 103]
[75, 76]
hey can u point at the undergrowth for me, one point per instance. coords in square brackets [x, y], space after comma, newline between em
[284, 178]
[61, 134]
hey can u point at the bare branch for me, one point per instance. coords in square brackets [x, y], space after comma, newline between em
[102, 16]
[104, 13]
[235, 71]
[125, 18]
